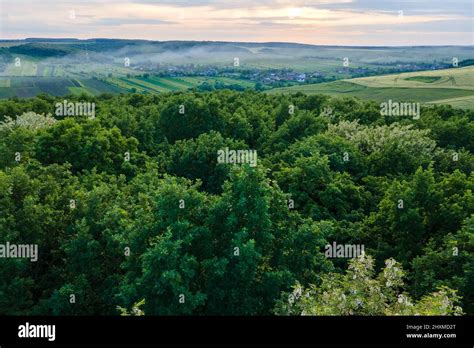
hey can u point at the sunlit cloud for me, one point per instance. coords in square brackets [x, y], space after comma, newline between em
[342, 22]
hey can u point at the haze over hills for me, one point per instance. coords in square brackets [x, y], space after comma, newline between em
[72, 66]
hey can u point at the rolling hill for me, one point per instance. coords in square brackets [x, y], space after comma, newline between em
[449, 86]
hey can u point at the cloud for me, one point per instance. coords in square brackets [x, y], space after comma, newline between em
[126, 21]
[306, 21]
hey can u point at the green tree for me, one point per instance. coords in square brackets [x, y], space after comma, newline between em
[360, 292]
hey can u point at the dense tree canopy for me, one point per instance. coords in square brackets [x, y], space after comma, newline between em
[133, 211]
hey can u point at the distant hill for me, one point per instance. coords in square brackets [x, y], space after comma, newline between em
[29, 67]
[41, 50]
[449, 86]
[466, 62]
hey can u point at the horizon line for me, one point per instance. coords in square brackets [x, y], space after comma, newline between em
[235, 42]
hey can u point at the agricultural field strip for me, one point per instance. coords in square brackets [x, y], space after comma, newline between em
[164, 84]
[460, 78]
[5, 83]
[148, 86]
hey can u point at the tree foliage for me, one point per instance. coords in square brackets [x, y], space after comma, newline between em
[133, 213]
[360, 292]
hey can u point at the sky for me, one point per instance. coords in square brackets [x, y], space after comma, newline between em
[322, 22]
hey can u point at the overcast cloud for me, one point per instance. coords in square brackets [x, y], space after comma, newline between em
[340, 22]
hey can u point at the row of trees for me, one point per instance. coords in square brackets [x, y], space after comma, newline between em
[132, 206]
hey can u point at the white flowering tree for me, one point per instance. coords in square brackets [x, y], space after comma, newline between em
[28, 120]
[393, 148]
[359, 292]
[135, 311]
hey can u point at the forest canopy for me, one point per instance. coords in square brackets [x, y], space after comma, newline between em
[132, 205]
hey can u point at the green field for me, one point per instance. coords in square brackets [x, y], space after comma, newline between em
[456, 78]
[29, 86]
[450, 86]
[27, 67]
[26, 87]
[425, 79]
[154, 84]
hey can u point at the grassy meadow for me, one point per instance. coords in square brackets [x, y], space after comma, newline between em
[449, 86]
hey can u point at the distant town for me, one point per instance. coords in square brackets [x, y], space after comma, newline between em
[277, 77]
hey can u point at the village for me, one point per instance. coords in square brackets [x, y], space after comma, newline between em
[275, 77]
[264, 76]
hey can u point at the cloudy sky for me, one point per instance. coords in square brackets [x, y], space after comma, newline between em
[328, 22]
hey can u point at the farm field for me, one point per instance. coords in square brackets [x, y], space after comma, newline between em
[26, 87]
[27, 67]
[169, 84]
[29, 86]
[457, 78]
[460, 102]
[450, 86]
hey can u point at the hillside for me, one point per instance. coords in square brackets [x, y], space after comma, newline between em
[62, 67]
[449, 86]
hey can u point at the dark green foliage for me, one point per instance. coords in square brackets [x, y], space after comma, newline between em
[189, 235]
